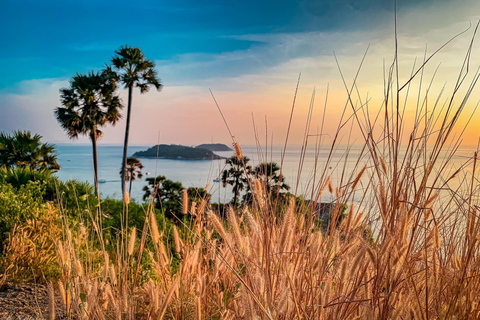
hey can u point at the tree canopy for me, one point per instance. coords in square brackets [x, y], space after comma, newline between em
[236, 175]
[22, 149]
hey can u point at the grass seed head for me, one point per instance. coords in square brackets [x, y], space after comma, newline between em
[185, 202]
[131, 242]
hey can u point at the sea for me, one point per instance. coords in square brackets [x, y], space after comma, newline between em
[76, 163]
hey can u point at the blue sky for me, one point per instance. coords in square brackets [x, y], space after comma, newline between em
[246, 51]
[54, 39]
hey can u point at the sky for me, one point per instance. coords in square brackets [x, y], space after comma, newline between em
[249, 53]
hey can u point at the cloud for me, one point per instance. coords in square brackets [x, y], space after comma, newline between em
[260, 80]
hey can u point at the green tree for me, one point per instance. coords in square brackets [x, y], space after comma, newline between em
[269, 175]
[89, 103]
[236, 175]
[22, 149]
[198, 194]
[166, 193]
[134, 171]
[134, 70]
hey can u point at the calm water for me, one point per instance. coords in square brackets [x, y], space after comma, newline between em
[76, 163]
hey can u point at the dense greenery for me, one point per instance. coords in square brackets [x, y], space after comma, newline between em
[242, 176]
[269, 174]
[166, 194]
[18, 205]
[173, 151]
[22, 149]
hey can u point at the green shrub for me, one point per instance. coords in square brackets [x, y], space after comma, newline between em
[19, 205]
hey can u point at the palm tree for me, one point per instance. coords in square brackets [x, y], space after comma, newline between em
[166, 193]
[236, 175]
[134, 171]
[134, 70]
[22, 149]
[269, 174]
[89, 103]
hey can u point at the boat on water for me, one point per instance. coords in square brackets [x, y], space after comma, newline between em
[102, 181]
[216, 180]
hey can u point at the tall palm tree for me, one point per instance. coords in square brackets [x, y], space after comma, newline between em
[134, 171]
[134, 70]
[22, 149]
[89, 103]
[236, 175]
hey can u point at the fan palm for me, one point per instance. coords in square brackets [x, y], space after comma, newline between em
[166, 193]
[89, 103]
[236, 175]
[22, 149]
[269, 174]
[134, 171]
[134, 71]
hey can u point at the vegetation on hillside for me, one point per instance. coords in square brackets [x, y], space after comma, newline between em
[176, 152]
[214, 147]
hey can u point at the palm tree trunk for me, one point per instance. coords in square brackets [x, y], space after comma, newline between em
[93, 137]
[125, 144]
[130, 188]
[235, 193]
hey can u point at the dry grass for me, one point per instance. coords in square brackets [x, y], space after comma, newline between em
[422, 265]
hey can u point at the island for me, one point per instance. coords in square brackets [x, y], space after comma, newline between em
[177, 152]
[214, 147]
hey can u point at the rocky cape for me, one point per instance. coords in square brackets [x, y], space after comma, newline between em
[177, 152]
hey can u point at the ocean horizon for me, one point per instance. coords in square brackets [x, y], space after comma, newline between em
[76, 163]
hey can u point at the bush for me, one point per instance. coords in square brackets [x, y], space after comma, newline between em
[19, 205]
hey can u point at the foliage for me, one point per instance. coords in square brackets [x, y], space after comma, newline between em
[22, 149]
[236, 175]
[214, 147]
[134, 171]
[73, 196]
[133, 69]
[19, 205]
[113, 210]
[173, 151]
[198, 194]
[167, 195]
[89, 103]
[266, 176]
[269, 175]
[30, 252]
[19, 176]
